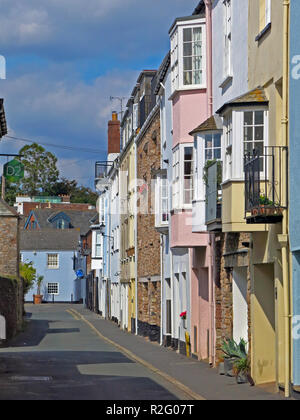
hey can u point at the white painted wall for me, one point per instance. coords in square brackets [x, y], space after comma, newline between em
[239, 53]
[240, 307]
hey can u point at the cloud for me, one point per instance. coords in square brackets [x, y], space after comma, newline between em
[63, 29]
[65, 58]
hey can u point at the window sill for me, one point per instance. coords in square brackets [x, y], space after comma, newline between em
[226, 81]
[262, 33]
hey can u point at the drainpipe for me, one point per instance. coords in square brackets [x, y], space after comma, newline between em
[208, 4]
[162, 286]
[283, 239]
[135, 242]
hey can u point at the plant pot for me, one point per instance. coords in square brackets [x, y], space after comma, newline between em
[242, 378]
[221, 369]
[37, 299]
[228, 367]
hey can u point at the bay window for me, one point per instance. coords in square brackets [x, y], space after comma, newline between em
[254, 133]
[161, 200]
[228, 145]
[188, 60]
[183, 186]
[213, 146]
[98, 244]
[188, 175]
[192, 56]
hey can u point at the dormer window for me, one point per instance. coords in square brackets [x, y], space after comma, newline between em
[62, 224]
[188, 60]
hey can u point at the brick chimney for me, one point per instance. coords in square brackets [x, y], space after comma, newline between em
[113, 135]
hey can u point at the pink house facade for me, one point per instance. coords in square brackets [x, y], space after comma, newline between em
[191, 98]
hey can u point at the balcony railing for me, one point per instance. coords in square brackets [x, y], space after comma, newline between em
[213, 175]
[266, 185]
[102, 169]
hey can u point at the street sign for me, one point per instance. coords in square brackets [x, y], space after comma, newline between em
[13, 171]
[79, 273]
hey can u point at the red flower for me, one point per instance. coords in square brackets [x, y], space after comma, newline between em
[183, 315]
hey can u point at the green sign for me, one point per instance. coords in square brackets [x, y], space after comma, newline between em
[47, 199]
[13, 171]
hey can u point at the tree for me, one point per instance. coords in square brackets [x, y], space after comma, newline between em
[28, 274]
[40, 170]
[78, 194]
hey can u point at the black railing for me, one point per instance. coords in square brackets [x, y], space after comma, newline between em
[213, 180]
[102, 169]
[266, 184]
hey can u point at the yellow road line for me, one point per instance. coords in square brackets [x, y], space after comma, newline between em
[74, 315]
[193, 395]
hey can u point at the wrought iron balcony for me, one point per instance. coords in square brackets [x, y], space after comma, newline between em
[266, 185]
[213, 175]
[102, 168]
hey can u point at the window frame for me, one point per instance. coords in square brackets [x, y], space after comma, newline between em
[177, 57]
[53, 283]
[178, 177]
[52, 267]
[227, 58]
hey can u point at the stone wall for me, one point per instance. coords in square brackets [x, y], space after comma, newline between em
[148, 239]
[11, 305]
[9, 246]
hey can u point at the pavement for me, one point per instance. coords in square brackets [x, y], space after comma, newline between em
[67, 352]
[192, 376]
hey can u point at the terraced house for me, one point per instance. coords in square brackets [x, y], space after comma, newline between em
[202, 187]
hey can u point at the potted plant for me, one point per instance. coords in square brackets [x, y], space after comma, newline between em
[266, 207]
[38, 298]
[242, 369]
[183, 317]
[233, 352]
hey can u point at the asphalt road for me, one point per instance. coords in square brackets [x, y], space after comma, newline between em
[58, 357]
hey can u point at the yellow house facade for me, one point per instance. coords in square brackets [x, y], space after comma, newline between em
[127, 217]
[268, 252]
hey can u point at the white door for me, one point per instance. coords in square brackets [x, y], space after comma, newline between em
[240, 306]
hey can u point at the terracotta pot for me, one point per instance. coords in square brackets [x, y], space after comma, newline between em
[37, 299]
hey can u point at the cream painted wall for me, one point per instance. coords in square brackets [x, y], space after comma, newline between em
[263, 355]
[233, 212]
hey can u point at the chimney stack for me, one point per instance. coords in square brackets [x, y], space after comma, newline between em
[113, 135]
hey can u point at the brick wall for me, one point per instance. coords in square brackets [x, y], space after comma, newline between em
[148, 239]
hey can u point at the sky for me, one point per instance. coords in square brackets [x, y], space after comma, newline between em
[65, 59]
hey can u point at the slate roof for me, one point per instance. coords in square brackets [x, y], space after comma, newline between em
[49, 240]
[162, 71]
[254, 97]
[6, 210]
[211, 124]
[3, 124]
[80, 220]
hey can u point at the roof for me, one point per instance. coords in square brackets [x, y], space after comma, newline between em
[201, 15]
[161, 73]
[199, 8]
[6, 210]
[3, 124]
[79, 219]
[254, 97]
[211, 124]
[49, 240]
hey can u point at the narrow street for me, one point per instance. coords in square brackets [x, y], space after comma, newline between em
[59, 357]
